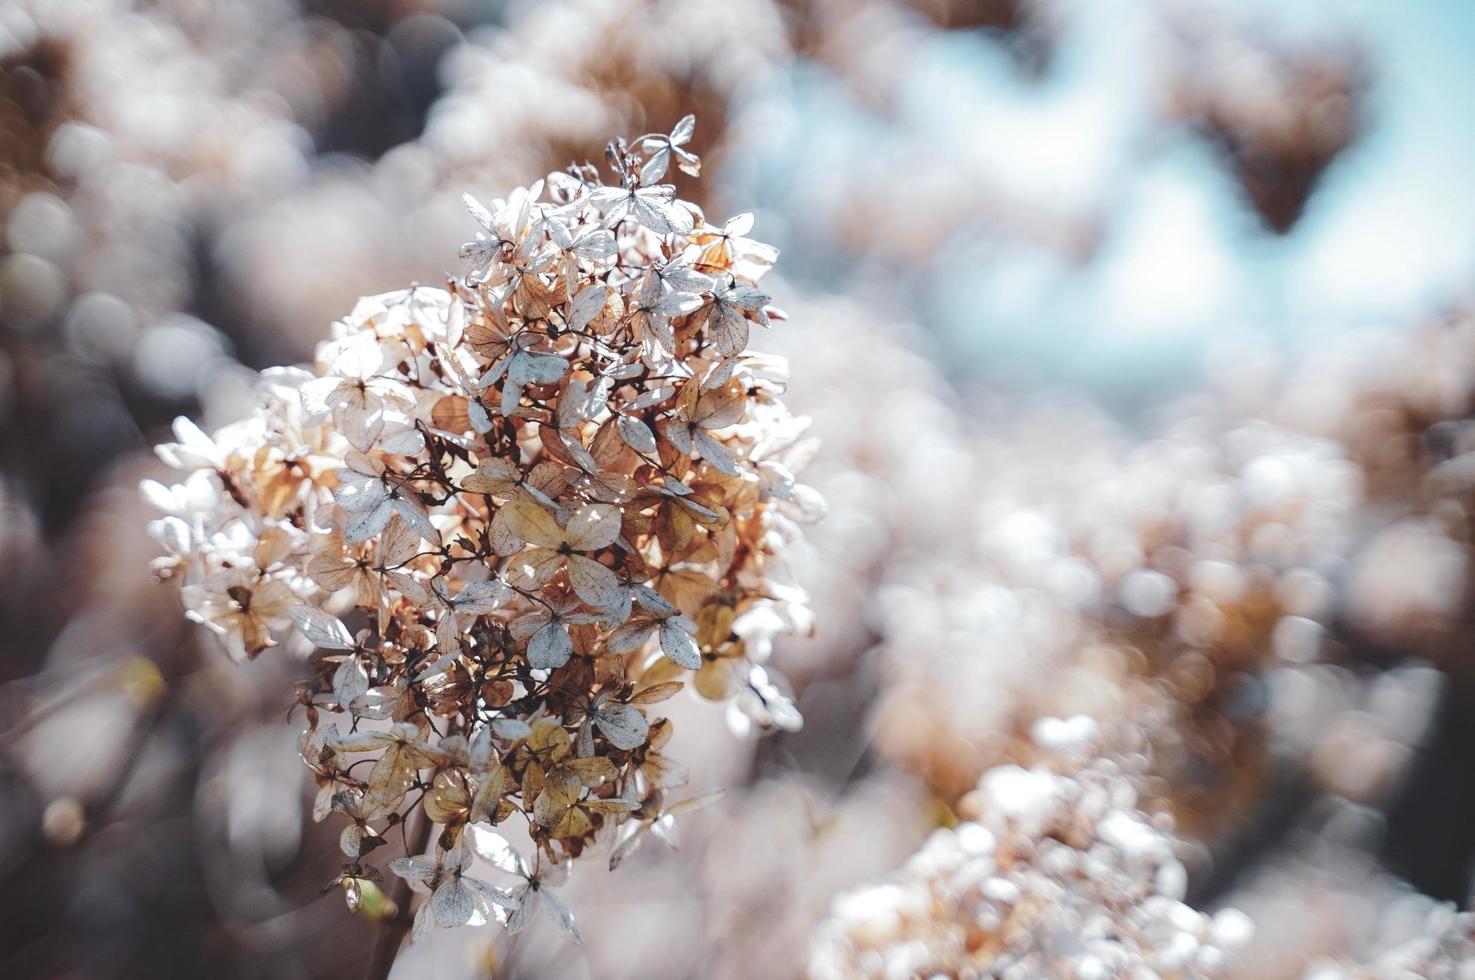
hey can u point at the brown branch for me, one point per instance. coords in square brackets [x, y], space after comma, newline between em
[392, 930]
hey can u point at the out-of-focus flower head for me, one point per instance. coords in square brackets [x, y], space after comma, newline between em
[1122, 592]
[1192, 583]
[561, 76]
[545, 86]
[1278, 111]
[513, 514]
[1445, 950]
[1057, 873]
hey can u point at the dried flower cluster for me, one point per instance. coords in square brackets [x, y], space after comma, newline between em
[1091, 577]
[1058, 874]
[220, 135]
[599, 66]
[544, 85]
[1444, 951]
[1279, 112]
[1194, 578]
[513, 514]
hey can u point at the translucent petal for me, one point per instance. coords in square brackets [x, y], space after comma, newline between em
[323, 629]
[594, 583]
[550, 647]
[624, 726]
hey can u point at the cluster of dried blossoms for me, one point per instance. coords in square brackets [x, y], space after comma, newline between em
[102, 195]
[560, 76]
[1279, 112]
[1445, 950]
[546, 85]
[1226, 570]
[1087, 578]
[514, 514]
[1057, 873]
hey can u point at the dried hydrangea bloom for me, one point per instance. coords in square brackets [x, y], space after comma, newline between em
[1399, 407]
[1000, 605]
[552, 80]
[1189, 577]
[514, 514]
[1184, 580]
[545, 84]
[101, 190]
[1085, 577]
[1445, 951]
[1057, 874]
[1278, 111]
[1322, 901]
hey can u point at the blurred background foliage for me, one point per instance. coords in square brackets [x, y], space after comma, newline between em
[1138, 334]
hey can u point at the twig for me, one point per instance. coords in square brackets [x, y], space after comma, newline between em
[392, 930]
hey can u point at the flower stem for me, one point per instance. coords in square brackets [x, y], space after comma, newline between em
[392, 930]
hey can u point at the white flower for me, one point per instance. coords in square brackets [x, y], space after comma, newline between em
[456, 898]
[354, 391]
[537, 887]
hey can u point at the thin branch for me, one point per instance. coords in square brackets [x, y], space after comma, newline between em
[392, 930]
